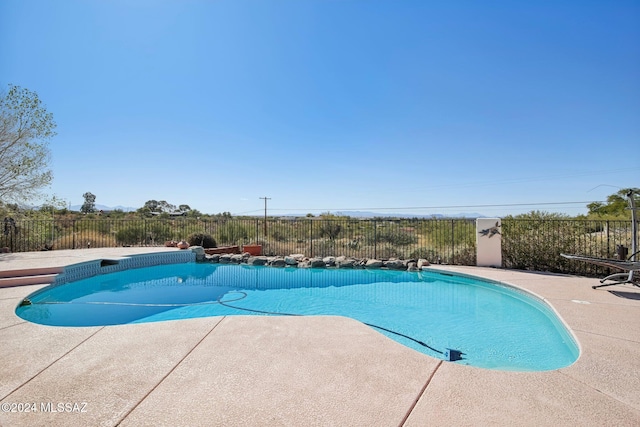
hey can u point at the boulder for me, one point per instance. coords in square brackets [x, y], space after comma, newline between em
[373, 263]
[236, 258]
[304, 264]
[277, 262]
[423, 263]
[412, 266]
[343, 262]
[257, 260]
[225, 259]
[199, 251]
[395, 264]
[316, 263]
[290, 260]
[213, 258]
[297, 257]
[329, 261]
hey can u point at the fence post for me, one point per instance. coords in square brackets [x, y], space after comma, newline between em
[375, 239]
[488, 242]
[311, 237]
[257, 227]
[453, 242]
[608, 253]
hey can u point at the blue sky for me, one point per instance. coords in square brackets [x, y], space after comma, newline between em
[329, 105]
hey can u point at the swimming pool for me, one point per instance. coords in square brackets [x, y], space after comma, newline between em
[493, 325]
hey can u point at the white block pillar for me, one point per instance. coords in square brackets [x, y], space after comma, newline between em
[489, 242]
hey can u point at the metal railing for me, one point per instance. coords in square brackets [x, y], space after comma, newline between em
[526, 244]
[537, 244]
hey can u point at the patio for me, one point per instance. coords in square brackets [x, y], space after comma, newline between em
[314, 371]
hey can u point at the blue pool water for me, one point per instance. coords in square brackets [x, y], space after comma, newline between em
[493, 325]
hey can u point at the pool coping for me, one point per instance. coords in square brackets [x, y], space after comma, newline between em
[280, 375]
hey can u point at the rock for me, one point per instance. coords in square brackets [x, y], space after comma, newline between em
[236, 258]
[257, 260]
[298, 257]
[329, 261]
[395, 264]
[213, 258]
[343, 262]
[373, 263]
[412, 266]
[304, 264]
[423, 263]
[290, 260]
[316, 263]
[277, 262]
[225, 259]
[199, 251]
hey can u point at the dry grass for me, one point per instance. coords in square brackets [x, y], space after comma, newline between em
[84, 239]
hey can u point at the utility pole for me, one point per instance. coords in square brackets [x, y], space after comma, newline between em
[265, 214]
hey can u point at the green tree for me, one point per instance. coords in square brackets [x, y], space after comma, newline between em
[617, 205]
[25, 130]
[166, 207]
[89, 205]
[538, 215]
[54, 205]
[162, 206]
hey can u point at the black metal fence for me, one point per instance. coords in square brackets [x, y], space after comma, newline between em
[526, 244]
[537, 244]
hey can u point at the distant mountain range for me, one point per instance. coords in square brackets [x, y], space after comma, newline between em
[107, 208]
[367, 214]
[352, 214]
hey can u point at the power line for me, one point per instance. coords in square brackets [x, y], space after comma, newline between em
[441, 207]
[524, 180]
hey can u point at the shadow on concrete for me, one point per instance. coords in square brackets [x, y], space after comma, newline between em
[626, 295]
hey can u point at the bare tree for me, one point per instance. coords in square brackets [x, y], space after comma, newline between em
[25, 129]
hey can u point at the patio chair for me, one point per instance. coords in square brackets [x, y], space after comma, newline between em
[631, 267]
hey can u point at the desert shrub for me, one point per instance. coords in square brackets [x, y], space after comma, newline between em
[465, 256]
[537, 245]
[130, 235]
[142, 233]
[429, 254]
[279, 232]
[157, 232]
[330, 229]
[324, 248]
[93, 225]
[397, 237]
[386, 251]
[201, 239]
[233, 233]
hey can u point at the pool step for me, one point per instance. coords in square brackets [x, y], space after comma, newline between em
[30, 276]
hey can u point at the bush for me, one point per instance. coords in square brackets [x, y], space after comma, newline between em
[397, 237]
[202, 239]
[429, 254]
[157, 232]
[132, 235]
[330, 229]
[233, 233]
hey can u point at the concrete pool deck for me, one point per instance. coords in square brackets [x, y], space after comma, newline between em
[311, 371]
